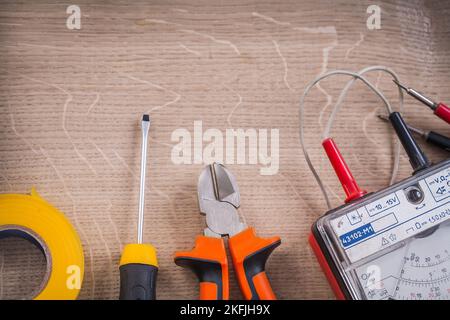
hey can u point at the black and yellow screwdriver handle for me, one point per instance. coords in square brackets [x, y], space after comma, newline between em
[208, 261]
[249, 254]
[138, 270]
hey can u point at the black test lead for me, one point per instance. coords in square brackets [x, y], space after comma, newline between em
[429, 136]
[440, 109]
[417, 158]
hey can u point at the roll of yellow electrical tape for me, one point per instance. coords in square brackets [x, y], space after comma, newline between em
[32, 218]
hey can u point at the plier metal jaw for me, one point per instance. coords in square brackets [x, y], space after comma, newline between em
[219, 199]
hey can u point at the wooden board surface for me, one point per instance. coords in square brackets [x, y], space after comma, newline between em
[70, 102]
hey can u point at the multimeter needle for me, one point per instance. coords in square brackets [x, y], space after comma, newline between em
[440, 109]
[432, 137]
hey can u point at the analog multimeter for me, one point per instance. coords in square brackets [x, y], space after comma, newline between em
[392, 244]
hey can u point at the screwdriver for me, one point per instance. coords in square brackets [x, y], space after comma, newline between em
[432, 137]
[138, 264]
[440, 109]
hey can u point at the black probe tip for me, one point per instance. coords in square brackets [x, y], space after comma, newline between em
[383, 117]
[146, 117]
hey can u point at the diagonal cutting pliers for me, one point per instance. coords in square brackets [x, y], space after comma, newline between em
[219, 199]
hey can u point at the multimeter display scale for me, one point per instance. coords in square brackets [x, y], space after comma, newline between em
[392, 244]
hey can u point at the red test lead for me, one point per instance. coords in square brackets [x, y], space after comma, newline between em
[440, 109]
[344, 174]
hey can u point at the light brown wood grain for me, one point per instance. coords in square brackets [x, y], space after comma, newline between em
[70, 102]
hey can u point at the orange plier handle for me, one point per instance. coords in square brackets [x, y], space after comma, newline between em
[208, 260]
[249, 254]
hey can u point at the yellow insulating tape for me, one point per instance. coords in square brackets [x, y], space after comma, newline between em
[32, 216]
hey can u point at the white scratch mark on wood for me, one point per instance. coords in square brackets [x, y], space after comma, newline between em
[97, 98]
[370, 115]
[291, 186]
[377, 82]
[161, 143]
[196, 53]
[108, 161]
[283, 59]
[156, 86]
[270, 19]
[315, 30]
[214, 39]
[13, 127]
[235, 106]
[6, 180]
[180, 10]
[114, 226]
[124, 163]
[357, 44]
[325, 58]
[66, 103]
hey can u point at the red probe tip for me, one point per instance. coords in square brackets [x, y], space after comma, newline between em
[344, 174]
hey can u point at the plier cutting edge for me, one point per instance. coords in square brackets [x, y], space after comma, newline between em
[219, 199]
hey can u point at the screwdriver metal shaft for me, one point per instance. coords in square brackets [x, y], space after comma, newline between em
[145, 125]
[138, 264]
